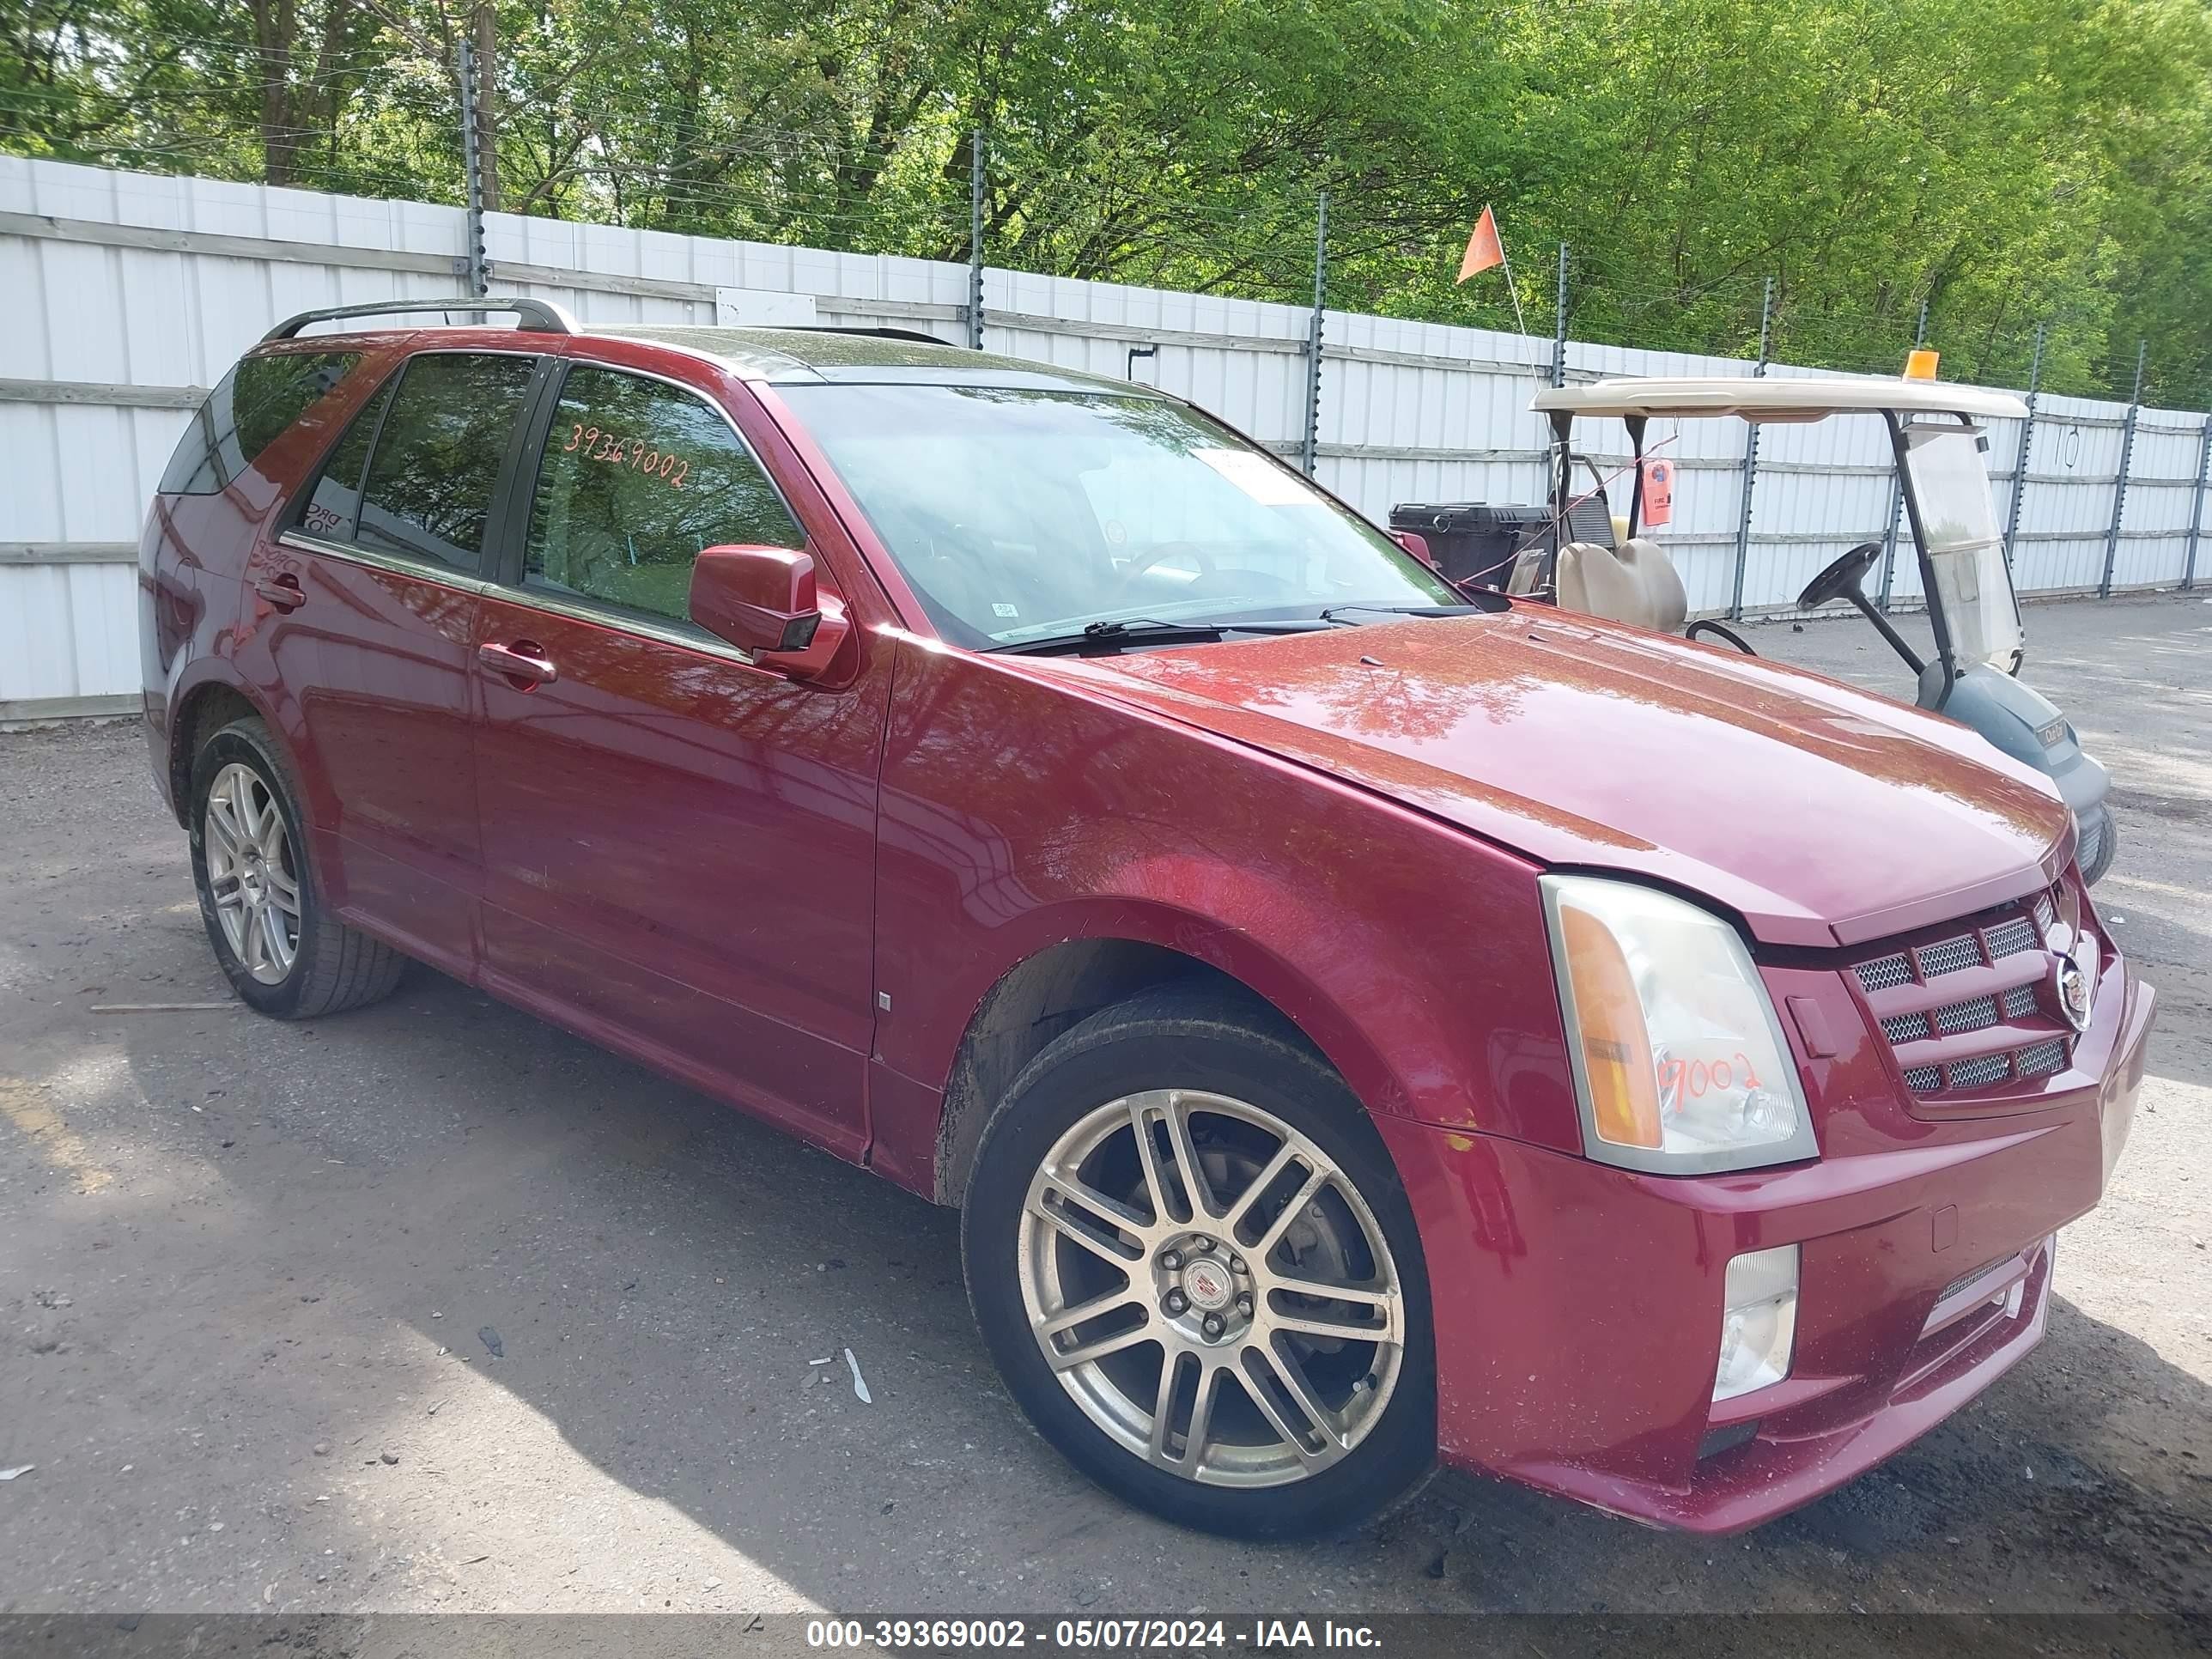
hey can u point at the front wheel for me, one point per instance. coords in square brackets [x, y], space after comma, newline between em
[1191, 1259]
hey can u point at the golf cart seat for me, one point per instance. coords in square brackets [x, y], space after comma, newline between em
[1634, 583]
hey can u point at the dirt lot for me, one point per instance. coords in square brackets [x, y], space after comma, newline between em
[433, 1307]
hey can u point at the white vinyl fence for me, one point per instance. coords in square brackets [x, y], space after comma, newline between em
[122, 296]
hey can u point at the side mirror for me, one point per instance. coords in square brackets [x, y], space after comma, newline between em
[765, 601]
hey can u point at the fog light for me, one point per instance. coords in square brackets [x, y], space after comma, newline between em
[1759, 1322]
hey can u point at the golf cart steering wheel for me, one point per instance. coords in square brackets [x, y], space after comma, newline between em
[1842, 577]
[1145, 560]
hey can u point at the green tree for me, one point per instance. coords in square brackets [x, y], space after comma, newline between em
[2004, 161]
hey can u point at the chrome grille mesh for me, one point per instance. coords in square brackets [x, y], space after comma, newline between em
[1950, 956]
[1981, 1071]
[1911, 973]
[1884, 972]
[1975, 1014]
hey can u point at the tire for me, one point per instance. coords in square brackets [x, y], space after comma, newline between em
[2107, 828]
[305, 962]
[1217, 1065]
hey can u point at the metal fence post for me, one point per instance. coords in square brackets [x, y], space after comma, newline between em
[474, 268]
[2026, 436]
[2196, 506]
[1897, 491]
[1310, 451]
[1559, 323]
[975, 239]
[1751, 459]
[2120, 484]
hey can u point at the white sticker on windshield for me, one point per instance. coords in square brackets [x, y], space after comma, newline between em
[1004, 610]
[1257, 477]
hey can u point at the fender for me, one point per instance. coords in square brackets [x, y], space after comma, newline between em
[171, 727]
[1164, 917]
[1018, 814]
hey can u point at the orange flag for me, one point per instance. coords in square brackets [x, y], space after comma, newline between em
[1483, 248]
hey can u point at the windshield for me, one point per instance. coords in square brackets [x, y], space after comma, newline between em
[1966, 572]
[1019, 515]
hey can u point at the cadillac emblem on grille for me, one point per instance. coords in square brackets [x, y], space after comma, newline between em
[2075, 990]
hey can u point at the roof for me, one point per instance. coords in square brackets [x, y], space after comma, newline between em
[805, 355]
[1786, 397]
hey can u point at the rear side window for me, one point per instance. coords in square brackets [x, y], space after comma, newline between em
[638, 477]
[246, 413]
[428, 494]
[334, 503]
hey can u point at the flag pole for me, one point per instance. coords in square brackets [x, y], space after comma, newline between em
[1520, 325]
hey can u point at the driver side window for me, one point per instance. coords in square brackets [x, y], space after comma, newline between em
[637, 478]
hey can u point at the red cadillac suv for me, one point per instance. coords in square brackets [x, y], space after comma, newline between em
[1362, 1023]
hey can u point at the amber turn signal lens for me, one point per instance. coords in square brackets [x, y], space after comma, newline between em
[1623, 1082]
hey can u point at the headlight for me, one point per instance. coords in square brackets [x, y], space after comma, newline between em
[1680, 1064]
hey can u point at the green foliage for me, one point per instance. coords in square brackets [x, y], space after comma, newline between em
[2005, 163]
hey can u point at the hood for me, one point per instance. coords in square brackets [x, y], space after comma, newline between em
[1821, 814]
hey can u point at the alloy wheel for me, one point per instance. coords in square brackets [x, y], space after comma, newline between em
[252, 872]
[1210, 1290]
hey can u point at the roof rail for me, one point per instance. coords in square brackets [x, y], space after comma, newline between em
[539, 316]
[913, 334]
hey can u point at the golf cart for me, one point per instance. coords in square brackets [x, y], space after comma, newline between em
[1608, 569]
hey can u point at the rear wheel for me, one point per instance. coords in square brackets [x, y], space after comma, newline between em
[283, 952]
[1191, 1257]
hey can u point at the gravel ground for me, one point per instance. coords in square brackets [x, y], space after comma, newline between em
[434, 1307]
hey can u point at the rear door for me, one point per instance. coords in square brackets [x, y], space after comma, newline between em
[365, 610]
[679, 846]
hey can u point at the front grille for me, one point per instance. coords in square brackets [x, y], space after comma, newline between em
[1951, 1046]
[1975, 1014]
[1965, 1280]
[1980, 1073]
[1884, 972]
[1950, 956]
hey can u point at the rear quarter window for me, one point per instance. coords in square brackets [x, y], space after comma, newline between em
[253, 406]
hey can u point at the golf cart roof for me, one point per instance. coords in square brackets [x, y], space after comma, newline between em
[1792, 399]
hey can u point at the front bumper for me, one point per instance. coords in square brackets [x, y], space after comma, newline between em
[1577, 1306]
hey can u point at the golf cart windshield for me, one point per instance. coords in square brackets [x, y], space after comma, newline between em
[1965, 565]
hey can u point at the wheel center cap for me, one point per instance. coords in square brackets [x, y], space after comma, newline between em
[1208, 1285]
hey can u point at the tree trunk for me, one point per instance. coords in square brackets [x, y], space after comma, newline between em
[280, 128]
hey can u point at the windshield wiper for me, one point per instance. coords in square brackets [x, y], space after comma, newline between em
[1335, 612]
[1122, 631]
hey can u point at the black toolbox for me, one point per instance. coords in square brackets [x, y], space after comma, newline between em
[1473, 541]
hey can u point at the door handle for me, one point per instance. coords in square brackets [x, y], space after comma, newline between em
[282, 590]
[522, 662]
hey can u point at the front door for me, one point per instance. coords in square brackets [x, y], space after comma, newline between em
[366, 604]
[679, 846]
